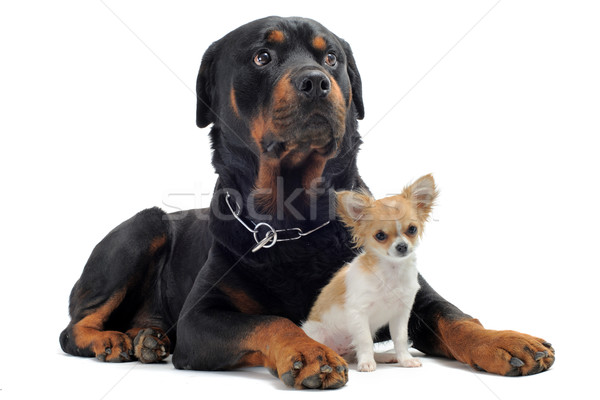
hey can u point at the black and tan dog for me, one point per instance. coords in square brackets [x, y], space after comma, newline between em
[284, 96]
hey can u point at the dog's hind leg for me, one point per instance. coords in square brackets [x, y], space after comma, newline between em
[117, 287]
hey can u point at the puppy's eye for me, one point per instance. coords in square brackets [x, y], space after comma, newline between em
[412, 230]
[262, 58]
[381, 236]
[330, 59]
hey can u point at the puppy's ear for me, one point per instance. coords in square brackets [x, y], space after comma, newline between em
[423, 194]
[351, 206]
[355, 81]
[205, 88]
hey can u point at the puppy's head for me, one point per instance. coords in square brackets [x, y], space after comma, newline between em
[391, 226]
[286, 87]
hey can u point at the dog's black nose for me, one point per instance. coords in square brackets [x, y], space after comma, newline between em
[313, 84]
[401, 248]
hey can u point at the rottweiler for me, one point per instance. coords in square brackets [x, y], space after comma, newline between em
[227, 286]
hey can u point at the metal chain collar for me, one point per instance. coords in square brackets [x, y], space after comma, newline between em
[271, 236]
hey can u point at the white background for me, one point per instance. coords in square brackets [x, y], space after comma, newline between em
[97, 116]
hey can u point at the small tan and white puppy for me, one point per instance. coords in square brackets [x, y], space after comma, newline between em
[379, 286]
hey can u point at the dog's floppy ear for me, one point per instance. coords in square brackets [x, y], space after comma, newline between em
[355, 81]
[205, 88]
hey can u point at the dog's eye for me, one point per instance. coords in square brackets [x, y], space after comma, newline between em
[262, 58]
[381, 236]
[412, 230]
[330, 59]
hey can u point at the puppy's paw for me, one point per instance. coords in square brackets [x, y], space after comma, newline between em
[410, 362]
[367, 365]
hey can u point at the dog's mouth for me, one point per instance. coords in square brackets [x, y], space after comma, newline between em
[314, 134]
[294, 154]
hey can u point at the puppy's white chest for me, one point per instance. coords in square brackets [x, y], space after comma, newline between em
[382, 293]
[388, 301]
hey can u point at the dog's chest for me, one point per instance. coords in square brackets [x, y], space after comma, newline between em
[303, 272]
[381, 293]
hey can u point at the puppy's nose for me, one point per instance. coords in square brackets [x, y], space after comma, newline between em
[401, 248]
[313, 84]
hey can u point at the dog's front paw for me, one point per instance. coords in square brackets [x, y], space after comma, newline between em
[309, 364]
[150, 345]
[410, 362]
[112, 346]
[367, 365]
[512, 353]
[506, 353]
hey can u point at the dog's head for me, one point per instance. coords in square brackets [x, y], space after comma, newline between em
[392, 226]
[284, 87]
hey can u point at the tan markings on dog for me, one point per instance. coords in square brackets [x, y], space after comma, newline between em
[241, 300]
[157, 243]
[313, 171]
[275, 36]
[332, 294]
[319, 43]
[338, 100]
[233, 102]
[279, 343]
[266, 183]
[272, 122]
[349, 98]
[284, 94]
[258, 127]
[88, 333]
[133, 332]
[268, 168]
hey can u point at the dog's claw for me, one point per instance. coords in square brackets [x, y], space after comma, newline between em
[515, 362]
[478, 368]
[326, 369]
[540, 354]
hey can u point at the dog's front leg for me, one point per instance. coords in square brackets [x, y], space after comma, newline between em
[217, 339]
[362, 340]
[438, 327]
[399, 333]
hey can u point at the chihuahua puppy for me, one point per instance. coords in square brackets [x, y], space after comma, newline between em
[379, 286]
